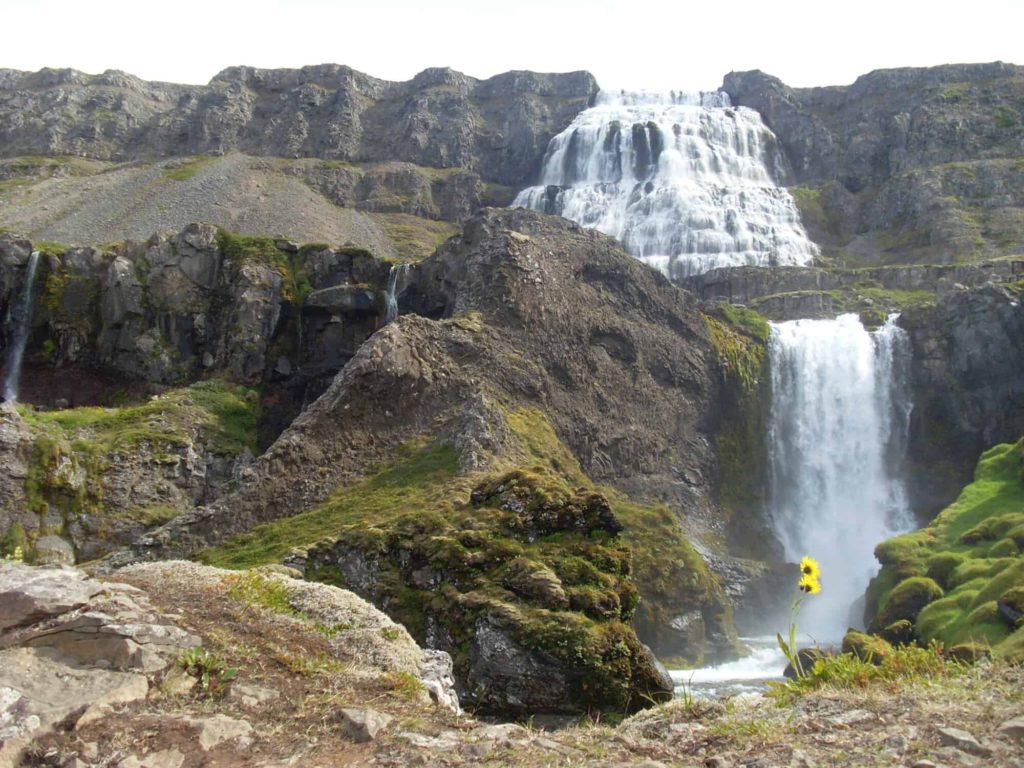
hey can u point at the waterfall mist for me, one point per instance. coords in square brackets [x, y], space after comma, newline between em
[838, 424]
[682, 180]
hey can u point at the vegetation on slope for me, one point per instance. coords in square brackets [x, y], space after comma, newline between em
[961, 578]
[77, 449]
[531, 546]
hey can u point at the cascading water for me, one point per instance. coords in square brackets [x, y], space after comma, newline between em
[22, 319]
[837, 429]
[395, 276]
[681, 180]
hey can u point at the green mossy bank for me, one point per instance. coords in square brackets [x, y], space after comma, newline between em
[961, 578]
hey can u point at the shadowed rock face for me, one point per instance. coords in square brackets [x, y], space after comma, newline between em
[968, 391]
[540, 313]
[498, 128]
[906, 165]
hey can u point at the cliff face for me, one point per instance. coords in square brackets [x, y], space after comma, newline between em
[905, 165]
[497, 128]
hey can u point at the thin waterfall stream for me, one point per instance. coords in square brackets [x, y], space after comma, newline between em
[394, 285]
[22, 319]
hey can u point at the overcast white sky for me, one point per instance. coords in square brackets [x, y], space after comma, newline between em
[629, 43]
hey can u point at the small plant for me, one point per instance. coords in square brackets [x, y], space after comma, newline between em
[206, 667]
[390, 633]
[17, 556]
[809, 584]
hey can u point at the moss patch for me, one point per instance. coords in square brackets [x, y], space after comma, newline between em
[75, 447]
[414, 237]
[971, 551]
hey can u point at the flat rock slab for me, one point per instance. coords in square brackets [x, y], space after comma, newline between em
[38, 690]
[964, 741]
[1012, 729]
[30, 594]
[362, 725]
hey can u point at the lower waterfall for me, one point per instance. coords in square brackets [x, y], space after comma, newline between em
[21, 318]
[838, 422]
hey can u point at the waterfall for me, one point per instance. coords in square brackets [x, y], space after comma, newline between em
[838, 422]
[682, 180]
[394, 286]
[21, 318]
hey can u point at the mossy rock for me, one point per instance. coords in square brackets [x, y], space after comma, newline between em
[1011, 607]
[898, 633]
[1004, 548]
[906, 601]
[968, 653]
[941, 566]
[807, 657]
[534, 581]
[869, 648]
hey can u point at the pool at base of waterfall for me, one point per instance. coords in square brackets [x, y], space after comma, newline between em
[751, 674]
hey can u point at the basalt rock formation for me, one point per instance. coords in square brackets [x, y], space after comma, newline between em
[95, 158]
[904, 165]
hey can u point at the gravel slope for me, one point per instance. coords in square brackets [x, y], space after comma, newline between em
[132, 201]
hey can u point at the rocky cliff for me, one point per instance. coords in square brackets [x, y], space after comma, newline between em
[905, 165]
[497, 128]
[273, 152]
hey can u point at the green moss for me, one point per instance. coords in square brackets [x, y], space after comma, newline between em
[532, 548]
[741, 353]
[972, 550]
[185, 169]
[413, 237]
[13, 538]
[74, 447]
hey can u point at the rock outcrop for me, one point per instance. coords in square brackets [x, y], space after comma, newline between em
[496, 128]
[81, 656]
[967, 387]
[537, 345]
[203, 303]
[791, 293]
[904, 165]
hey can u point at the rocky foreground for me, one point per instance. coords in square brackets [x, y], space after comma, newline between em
[176, 664]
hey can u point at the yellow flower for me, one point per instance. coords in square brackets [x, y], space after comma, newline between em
[809, 584]
[809, 567]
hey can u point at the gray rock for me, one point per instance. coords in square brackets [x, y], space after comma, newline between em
[438, 677]
[54, 550]
[1012, 729]
[217, 729]
[252, 696]
[29, 594]
[166, 758]
[362, 725]
[963, 740]
[37, 690]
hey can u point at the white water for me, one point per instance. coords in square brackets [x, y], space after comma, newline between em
[22, 319]
[682, 180]
[837, 428]
[394, 286]
[748, 674]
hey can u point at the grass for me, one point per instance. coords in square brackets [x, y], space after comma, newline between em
[86, 441]
[971, 551]
[414, 237]
[900, 665]
[419, 478]
[185, 169]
